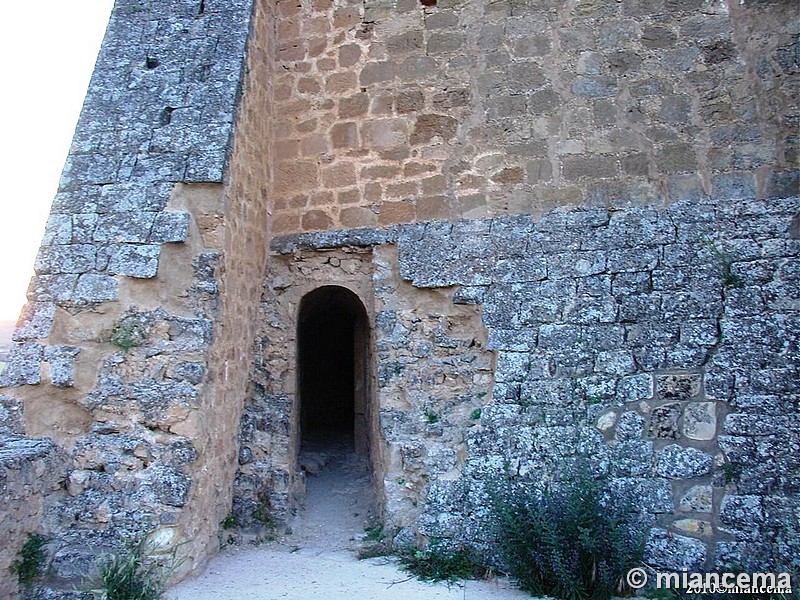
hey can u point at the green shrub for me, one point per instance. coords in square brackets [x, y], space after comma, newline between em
[230, 522]
[31, 559]
[129, 575]
[566, 542]
[437, 563]
[374, 533]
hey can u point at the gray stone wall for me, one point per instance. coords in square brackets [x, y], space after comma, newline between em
[111, 355]
[660, 344]
[32, 475]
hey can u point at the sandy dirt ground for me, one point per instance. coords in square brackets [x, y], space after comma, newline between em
[317, 560]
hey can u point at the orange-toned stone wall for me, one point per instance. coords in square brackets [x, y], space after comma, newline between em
[389, 111]
[241, 276]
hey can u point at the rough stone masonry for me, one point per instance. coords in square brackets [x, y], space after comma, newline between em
[573, 228]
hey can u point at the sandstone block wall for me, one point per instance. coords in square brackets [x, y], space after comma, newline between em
[395, 111]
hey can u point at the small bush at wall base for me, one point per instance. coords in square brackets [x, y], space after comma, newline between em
[128, 575]
[567, 543]
[437, 563]
[31, 559]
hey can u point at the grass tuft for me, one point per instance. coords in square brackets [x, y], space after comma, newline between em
[31, 559]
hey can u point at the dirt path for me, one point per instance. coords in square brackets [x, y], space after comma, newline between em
[318, 559]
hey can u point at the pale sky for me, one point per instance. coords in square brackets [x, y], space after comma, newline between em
[49, 48]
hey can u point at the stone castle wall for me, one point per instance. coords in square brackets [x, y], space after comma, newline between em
[395, 112]
[661, 345]
[127, 354]
[32, 474]
[640, 309]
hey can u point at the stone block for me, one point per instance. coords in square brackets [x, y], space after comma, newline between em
[699, 498]
[135, 260]
[658, 36]
[293, 176]
[170, 227]
[678, 386]
[35, 321]
[376, 72]
[733, 185]
[588, 166]
[594, 86]
[700, 420]
[409, 41]
[532, 45]
[83, 228]
[349, 55]
[24, 366]
[631, 458]
[58, 230]
[653, 495]
[57, 288]
[694, 527]
[507, 107]
[337, 84]
[635, 387]
[676, 462]
[72, 258]
[384, 134]
[667, 551]
[664, 422]
[344, 135]
[433, 207]
[358, 216]
[339, 175]
[676, 158]
[62, 364]
[524, 77]
[316, 220]
[429, 127]
[445, 43]
[396, 212]
[630, 426]
[741, 510]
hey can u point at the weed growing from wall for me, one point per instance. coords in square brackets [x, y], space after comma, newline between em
[724, 261]
[31, 559]
[567, 542]
[131, 575]
[128, 333]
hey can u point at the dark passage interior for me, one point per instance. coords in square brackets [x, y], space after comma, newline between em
[331, 367]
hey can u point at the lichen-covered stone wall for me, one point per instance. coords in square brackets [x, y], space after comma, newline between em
[32, 474]
[395, 111]
[661, 345]
[151, 258]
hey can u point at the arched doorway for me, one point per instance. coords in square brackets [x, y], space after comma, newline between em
[334, 413]
[332, 369]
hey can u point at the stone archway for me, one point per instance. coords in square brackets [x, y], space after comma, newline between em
[332, 368]
[334, 409]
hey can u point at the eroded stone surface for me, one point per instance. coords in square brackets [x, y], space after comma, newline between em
[700, 420]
